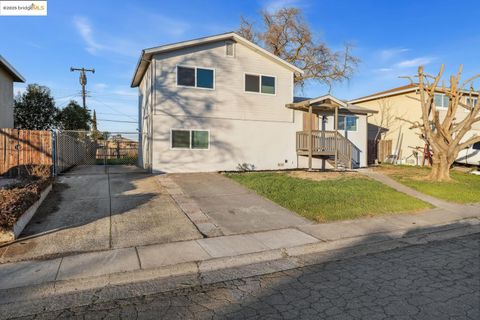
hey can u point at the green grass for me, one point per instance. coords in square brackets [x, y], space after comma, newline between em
[329, 200]
[464, 187]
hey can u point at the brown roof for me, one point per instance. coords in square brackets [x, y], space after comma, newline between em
[392, 91]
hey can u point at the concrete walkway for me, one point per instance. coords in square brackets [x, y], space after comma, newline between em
[230, 207]
[409, 191]
[93, 210]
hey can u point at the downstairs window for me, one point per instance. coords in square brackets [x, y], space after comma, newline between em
[189, 139]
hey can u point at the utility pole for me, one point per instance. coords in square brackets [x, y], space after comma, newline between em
[83, 81]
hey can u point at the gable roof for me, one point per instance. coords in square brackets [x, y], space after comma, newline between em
[147, 54]
[387, 93]
[327, 102]
[412, 87]
[17, 77]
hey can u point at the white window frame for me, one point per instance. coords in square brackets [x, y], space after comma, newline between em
[443, 100]
[259, 83]
[233, 47]
[345, 122]
[190, 131]
[475, 100]
[195, 68]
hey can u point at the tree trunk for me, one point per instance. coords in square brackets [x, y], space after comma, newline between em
[440, 168]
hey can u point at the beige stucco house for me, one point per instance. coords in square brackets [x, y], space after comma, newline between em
[214, 103]
[8, 75]
[396, 103]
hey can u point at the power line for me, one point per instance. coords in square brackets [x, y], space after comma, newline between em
[114, 114]
[123, 121]
[113, 109]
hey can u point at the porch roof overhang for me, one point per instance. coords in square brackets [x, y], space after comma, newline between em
[327, 103]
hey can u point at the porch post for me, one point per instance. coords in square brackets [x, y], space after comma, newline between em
[336, 137]
[310, 151]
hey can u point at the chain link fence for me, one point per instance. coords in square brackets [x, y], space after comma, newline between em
[73, 148]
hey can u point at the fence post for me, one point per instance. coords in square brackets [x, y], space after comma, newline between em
[54, 153]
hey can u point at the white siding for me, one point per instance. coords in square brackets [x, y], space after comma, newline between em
[6, 100]
[244, 127]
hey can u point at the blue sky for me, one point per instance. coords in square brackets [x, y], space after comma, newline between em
[391, 38]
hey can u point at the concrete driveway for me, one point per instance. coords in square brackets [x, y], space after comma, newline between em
[234, 208]
[90, 209]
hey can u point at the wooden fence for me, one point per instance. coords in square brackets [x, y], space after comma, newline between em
[21, 149]
[379, 150]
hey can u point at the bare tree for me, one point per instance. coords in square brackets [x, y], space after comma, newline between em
[286, 34]
[385, 120]
[446, 137]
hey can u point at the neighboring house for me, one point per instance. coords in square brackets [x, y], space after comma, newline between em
[8, 75]
[398, 103]
[218, 102]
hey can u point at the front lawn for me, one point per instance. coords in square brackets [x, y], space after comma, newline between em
[464, 187]
[344, 197]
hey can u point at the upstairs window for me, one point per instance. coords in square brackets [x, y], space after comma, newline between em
[347, 123]
[259, 84]
[229, 49]
[441, 101]
[195, 77]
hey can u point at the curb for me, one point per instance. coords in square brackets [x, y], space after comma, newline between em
[24, 219]
[18, 301]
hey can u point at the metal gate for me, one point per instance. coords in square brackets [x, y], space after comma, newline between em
[93, 148]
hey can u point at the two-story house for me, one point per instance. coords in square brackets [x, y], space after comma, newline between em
[396, 104]
[217, 102]
[8, 75]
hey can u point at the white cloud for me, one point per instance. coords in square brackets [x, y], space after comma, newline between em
[388, 54]
[100, 86]
[420, 61]
[383, 69]
[107, 43]
[84, 28]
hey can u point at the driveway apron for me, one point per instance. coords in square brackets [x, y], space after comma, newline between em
[235, 209]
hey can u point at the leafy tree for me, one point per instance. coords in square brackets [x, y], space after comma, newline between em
[35, 109]
[96, 135]
[75, 117]
[286, 34]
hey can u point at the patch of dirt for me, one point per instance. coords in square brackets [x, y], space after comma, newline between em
[16, 198]
[323, 175]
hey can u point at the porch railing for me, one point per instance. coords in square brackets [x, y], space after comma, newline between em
[328, 143]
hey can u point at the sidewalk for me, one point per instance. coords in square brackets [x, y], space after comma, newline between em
[227, 251]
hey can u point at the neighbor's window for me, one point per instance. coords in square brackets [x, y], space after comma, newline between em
[348, 123]
[229, 49]
[190, 139]
[471, 102]
[259, 84]
[195, 77]
[441, 101]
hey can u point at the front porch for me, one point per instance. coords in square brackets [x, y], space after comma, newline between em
[329, 145]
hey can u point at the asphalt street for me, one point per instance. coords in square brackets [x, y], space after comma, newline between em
[439, 280]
